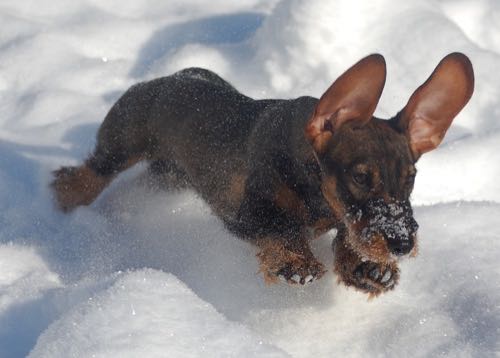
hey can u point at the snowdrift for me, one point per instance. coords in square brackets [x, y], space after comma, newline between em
[144, 272]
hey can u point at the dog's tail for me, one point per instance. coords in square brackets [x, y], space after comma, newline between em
[75, 186]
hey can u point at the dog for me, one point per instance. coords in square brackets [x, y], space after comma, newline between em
[279, 173]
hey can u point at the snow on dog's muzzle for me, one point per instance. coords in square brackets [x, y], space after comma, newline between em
[394, 221]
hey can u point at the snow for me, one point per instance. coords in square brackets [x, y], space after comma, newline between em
[140, 314]
[120, 277]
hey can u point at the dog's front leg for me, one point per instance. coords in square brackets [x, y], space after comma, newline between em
[291, 260]
[370, 277]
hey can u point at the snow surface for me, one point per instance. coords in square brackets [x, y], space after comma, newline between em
[142, 272]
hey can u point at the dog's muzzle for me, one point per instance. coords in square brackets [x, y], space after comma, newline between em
[394, 221]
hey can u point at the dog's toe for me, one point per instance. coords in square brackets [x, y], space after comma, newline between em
[374, 278]
[301, 274]
[297, 267]
[386, 276]
[370, 277]
[374, 273]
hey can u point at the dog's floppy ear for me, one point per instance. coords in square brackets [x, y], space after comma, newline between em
[432, 107]
[352, 97]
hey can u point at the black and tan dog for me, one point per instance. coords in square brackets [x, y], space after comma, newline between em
[280, 172]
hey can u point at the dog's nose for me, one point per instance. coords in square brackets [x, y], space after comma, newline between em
[400, 247]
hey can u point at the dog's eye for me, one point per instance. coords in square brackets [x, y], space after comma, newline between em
[362, 179]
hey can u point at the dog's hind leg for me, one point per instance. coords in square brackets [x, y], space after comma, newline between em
[80, 185]
[166, 175]
[122, 141]
[75, 186]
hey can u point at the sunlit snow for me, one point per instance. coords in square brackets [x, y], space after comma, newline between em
[147, 273]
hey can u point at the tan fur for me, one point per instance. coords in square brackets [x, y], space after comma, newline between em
[414, 253]
[288, 200]
[329, 188]
[322, 226]
[75, 186]
[320, 141]
[236, 189]
[275, 255]
[374, 249]
[347, 260]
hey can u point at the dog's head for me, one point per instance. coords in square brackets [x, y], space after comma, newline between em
[368, 164]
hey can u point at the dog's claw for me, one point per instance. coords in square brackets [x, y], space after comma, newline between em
[373, 278]
[301, 275]
[386, 277]
[389, 284]
[279, 263]
[358, 273]
[374, 273]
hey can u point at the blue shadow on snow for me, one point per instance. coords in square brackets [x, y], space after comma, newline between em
[222, 29]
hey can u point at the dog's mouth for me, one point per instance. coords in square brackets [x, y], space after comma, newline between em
[381, 231]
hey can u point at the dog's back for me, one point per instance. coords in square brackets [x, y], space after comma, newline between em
[192, 124]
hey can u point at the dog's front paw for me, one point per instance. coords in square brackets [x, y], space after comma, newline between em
[367, 276]
[300, 271]
[374, 278]
[277, 262]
